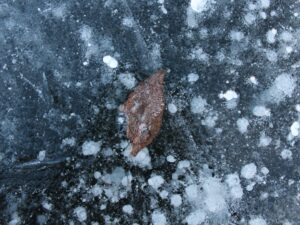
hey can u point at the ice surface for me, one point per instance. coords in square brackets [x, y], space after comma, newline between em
[228, 149]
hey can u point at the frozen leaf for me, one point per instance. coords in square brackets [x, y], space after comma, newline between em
[144, 110]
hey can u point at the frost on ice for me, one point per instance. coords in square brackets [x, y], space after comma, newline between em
[228, 95]
[90, 148]
[286, 154]
[200, 6]
[193, 77]
[158, 218]
[172, 108]
[110, 61]
[156, 181]
[242, 124]
[176, 200]
[257, 221]
[195, 218]
[261, 111]
[80, 213]
[282, 87]
[127, 209]
[264, 140]
[198, 105]
[249, 171]
[295, 128]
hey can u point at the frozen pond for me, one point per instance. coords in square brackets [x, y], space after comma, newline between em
[228, 149]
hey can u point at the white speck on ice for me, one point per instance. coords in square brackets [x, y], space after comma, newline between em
[96, 190]
[42, 155]
[264, 4]
[183, 164]
[265, 170]
[171, 159]
[128, 80]
[47, 205]
[295, 128]
[97, 174]
[242, 124]
[261, 111]
[264, 140]
[286, 36]
[250, 186]
[163, 194]
[214, 195]
[80, 213]
[233, 182]
[271, 36]
[200, 6]
[210, 120]
[263, 15]
[162, 7]
[176, 200]
[236, 35]
[68, 141]
[156, 181]
[257, 221]
[158, 218]
[249, 171]
[297, 107]
[198, 105]
[253, 80]
[127, 209]
[199, 54]
[59, 11]
[90, 147]
[128, 21]
[191, 192]
[110, 61]
[288, 49]
[126, 181]
[286, 154]
[142, 159]
[91, 48]
[15, 220]
[271, 55]
[172, 108]
[193, 77]
[228, 95]
[249, 18]
[282, 87]
[196, 218]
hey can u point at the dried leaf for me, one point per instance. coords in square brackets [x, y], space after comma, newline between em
[144, 110]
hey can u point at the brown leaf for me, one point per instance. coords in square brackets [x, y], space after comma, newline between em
[144, 110]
